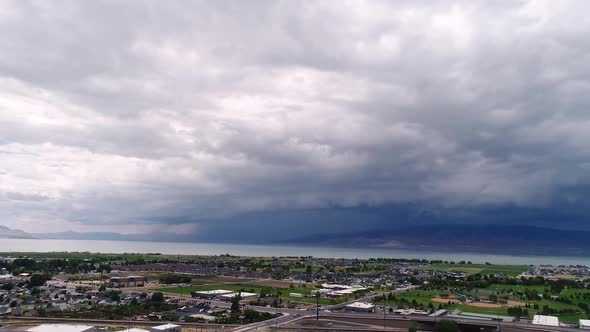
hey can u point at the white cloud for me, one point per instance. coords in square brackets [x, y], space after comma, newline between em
[145, 112]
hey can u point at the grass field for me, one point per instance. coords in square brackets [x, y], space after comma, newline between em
[510, 270]
[516, 288]
[425, 298]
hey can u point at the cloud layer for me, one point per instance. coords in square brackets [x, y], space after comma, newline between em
[144, 113]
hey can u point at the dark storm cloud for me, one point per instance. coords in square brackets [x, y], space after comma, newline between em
[152, 113]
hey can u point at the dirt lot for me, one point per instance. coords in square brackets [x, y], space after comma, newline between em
[439, 299]
[516, 303]
[484, 305]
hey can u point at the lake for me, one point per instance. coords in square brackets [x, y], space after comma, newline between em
[184, 248]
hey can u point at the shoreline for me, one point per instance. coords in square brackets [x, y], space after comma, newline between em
[218, 249]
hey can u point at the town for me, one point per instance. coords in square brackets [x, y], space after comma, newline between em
[153, 292]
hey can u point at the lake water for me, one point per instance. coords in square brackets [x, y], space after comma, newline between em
[184, 248]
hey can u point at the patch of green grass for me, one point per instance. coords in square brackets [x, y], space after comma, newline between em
[572, 318]
[424, 298]
[516, 288]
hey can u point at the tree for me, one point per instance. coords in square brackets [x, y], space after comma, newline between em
[412, 329]
[38, 280]
[115, 296]
[235, 303]
[157, 297]
[445, 325]
[7, 286]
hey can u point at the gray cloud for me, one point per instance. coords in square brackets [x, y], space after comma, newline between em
[146, 112]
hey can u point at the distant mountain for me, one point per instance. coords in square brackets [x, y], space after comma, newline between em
[489, 238]
[7, 233]
[111, 236]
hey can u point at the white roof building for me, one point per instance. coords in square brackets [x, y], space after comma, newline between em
[133, 329]
[61, 328]
[335, 286]
[166, 328]
[214, 292]
[360, 306]
[243, 295]
[585, 324]
[545, 320]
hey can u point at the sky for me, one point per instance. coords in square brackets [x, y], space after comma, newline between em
[158, 116]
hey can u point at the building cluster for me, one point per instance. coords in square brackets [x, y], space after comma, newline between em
[18, 299]
[88, 328]
[129, 281]
[552, 271]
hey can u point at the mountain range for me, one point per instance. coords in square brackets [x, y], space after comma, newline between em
[488, 238]
[7, 233]
[481, 238]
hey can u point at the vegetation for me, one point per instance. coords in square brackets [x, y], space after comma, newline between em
[517, 297]
[175, 279]
[483, 269]
[446, 325]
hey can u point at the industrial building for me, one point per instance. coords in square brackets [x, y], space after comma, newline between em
[585, 324]
[62, 328]
[130, 281]
[360, 306]
[166, 328]
[212, 293]
[545, 320]
[242, 295]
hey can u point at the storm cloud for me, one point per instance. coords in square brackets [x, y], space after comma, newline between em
[145, 114]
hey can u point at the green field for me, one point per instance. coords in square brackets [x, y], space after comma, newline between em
[425, 298]
[510, 270]
[516, 288]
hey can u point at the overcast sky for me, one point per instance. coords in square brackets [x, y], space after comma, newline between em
[142, 116]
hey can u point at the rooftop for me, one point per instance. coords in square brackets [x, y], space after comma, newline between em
[545, 320]
[214, 292]
[61, 328]
[361, 305]
[165, 326]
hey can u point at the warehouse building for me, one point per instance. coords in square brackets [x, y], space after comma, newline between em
[130, 281]
[211, 293]
[545, 320]
[243, 296]
[166, 328]
[360, 306]
[62, 328]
